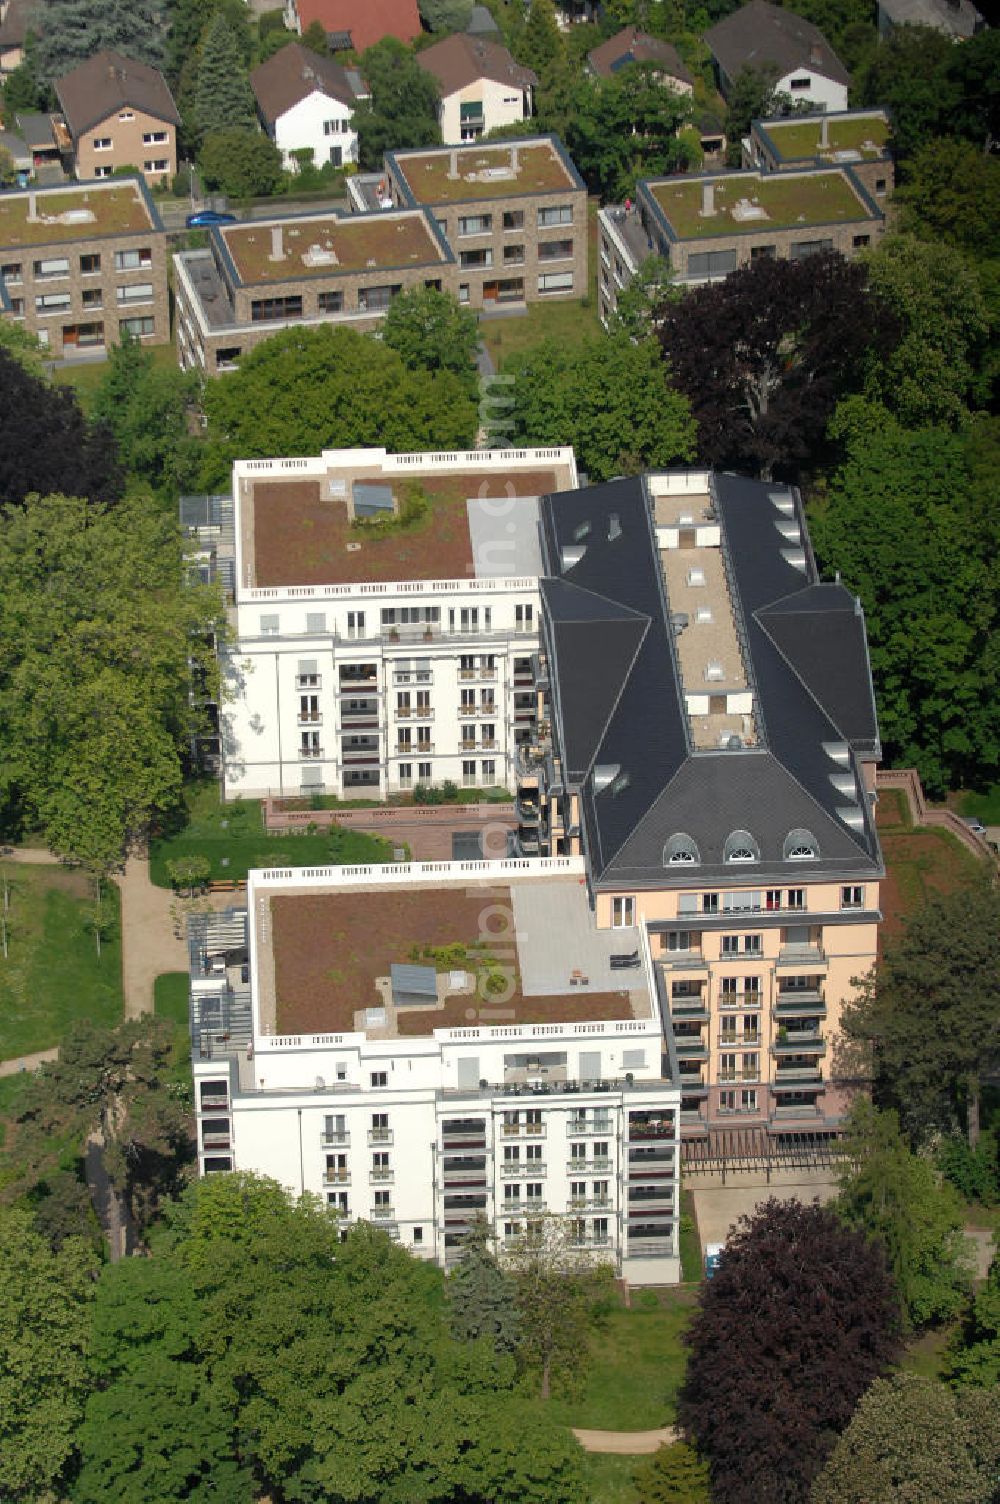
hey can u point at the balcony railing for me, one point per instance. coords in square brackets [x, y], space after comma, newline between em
[336, 1177]
[587, 1203]
[379, 1136]
[797, 1075]
[802, 955]
[806, 1044]
[335, 1140]
[414, 749]
[688, 1045]
[215, 1104]
[414, 713]
[650, 1248]
[310, 718]
[471, 711]
[381, 1177]
[512, 1169]
[591, 1240]
[580, 1129]
[522, 1130]
[585, 1166]
[739, 1041]
[740, 999]
[383, 1214]
[310, 752]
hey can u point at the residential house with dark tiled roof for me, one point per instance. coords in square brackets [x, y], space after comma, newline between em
[306, 103]
[119, 113]
[482, 88]
[634, 46]
[795, 52]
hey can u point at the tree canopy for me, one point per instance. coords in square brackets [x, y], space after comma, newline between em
[75, 29]
[241, 163]
[223, 98]
[308, 389]
[624, 128]
[46, 443]
[975, 1357]
[607, 397]
[896, 519]
[929, 1013]
[911, 1438]
[765, 355]
[482, 1294]
[798, 1320]
[145, 405]
[952, 193]
[401, 109]
[432, 332]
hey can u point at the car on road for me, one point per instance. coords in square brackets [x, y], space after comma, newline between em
[205, 217]
[974, 823]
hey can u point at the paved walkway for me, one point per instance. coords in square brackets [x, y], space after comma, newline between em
[26, 1062]
[149, 945]
[627, 1443]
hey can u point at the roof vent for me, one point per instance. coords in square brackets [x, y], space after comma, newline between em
[713, 670]
[844, 784]
[795, 557]
[605, 773]
[703, 614]
[838, 752]
[696, 577]
[614, 527]
[733, 744]
[851, 815]
[789, 530]
[570, 554]
[783, 500]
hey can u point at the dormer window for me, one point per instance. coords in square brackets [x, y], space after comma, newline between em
[741, 847]
[696, 577]
[801, 846]
[681, 851]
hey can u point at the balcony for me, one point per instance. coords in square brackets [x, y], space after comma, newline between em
[489, 744]
[650, 1248]
[215, 1104]
[740, 999]
[580, 1129]
[591, 1240]
[361, 757]
[359, 718]
[335, 1140]
[800, 1001]
[690, 1047]
[515, 1169]
[378, 1136]
[414, 749]
[522, 1130]
[803, 957]
[811, 1044]
[793, 1076]
[218, 1139]
[727, 1077]
[528, 810]
[381, 1177]
[383, 1214]
[336, 1177]
[414, 713]
[589, 1203]
[641, 1206]
[784, 1112]
[349, 685]
[739, 1041]
[307, 753]
[310, 718]
[682, 960]
[586, 1166]
[467, 712]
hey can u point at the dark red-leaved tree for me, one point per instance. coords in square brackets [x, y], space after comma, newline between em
[47, 445]
[765, 355]
[799, 1319]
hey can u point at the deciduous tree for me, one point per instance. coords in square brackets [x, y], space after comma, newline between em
[798, 1320]
[401, 109]
[674, 1474]
[906, 74]
[44, 1340]
[912, 1439]
[751, 97]
[309, 389]
[765, 355]
[625, 128]
[611, 399]
[432, 332]
[46, 444]
[952, 194]
[891, 1193]
[243, 164]
[145, 405]
[975, 1357]
[556, 1290]
[445, 15]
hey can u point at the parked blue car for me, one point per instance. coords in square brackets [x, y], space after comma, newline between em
[205, 217]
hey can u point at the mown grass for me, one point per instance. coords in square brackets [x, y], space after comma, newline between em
[568, 322]
[86, 376]
[609, 1478]
[636, 1367]
[232, 838]
[52, 976]
[170, 1000]
[984, 805]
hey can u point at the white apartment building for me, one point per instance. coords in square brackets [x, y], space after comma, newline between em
[372, 652]
[351, 1039]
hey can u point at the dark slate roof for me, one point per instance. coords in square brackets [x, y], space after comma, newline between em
[759, 34]
[108, 82]
[620, 722]
[292, 74]
[634, 46]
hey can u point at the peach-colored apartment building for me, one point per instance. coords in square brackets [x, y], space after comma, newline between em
[707, 739]
[119, 113]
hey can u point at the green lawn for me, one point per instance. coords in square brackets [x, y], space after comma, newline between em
[170, 1000]
[610, 1478]
[567, 322]
[928, 1354]
[85, 377]
[232, 837]
[691, 1260]
[52, 976]
[985, 805]
[637, 1363]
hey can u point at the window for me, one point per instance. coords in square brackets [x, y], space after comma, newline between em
[375, 299]
[423, 770]
[489, 770]
[158, 164]
[126, 115]
[676, 940]
[53, 302]
[469, 772]
[534, 1190]
[799, 83]
[482, 257]
[89, 265]
[56, 266]
[102, 172]
[880, 186]
[380, 1200]
[727, 1067]
[740, 945]
[418, 1235]
[131, 261]
[475, 224]
[622, 913]
[154, 138]
[355, 624]
[860, 241]
[555, 282]
[406, 773]
[741, 847]
[269, 626]
[92, 297]
[137, 292]
[800, 846]
[102, 143]
[334, 127]
[852, 898]
[711, 263]
[513, 219]
[561, 214]
[748, 1100]
[524, 618]
[463, 292]
[138, 326]
[555, 250]
[533, 1152]
[796, 898]
[10, 271]
[751, 1066]
[264, 310]
[799, 249]
[513, 255]
[763, 252]
[335, 156]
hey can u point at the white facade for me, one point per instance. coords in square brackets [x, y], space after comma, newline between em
[480, 107]
[807, 86]
[374, 687]
[320, 123]
[419, 1134]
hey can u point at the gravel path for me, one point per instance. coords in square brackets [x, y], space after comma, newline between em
[627, 1443]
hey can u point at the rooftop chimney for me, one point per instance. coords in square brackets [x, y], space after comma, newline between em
[32, 208]
[277, 244]
[707, 200]
[514, 160]
[453, 164]
[824, 133]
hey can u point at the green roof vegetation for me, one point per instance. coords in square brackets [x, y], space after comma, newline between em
[788, 201]
[794, 139]
[388, 241]
[428, 177]
[108, 211]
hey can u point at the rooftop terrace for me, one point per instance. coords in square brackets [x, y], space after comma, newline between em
[746, 202]
[865, 133]
[327, 244]
[74, 214]
[324, 958]
[482, 172]
[301, 531]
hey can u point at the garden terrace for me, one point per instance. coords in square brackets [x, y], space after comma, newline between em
[482, 172]
[324, 958]
[292, 535]
[792, 139]
[322, 246]
[76, 214]
[790, 201]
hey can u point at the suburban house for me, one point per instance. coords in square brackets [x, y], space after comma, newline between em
[305, 102]
[80, 265]
[766, 37]
[120, 114]
[366, 662]
[255, 279]
[956, 18]
[634, 46]
[708, 224]
[350, 26]
[860, 139]
[534, 1075]
[707, 740]
[482, 87]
